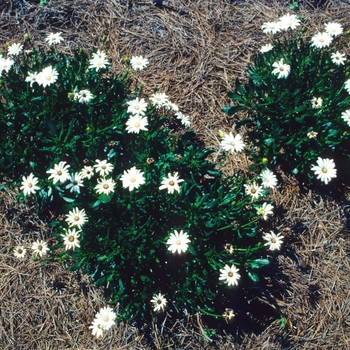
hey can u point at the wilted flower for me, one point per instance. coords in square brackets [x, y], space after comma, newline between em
[59, 172]
[178, 241]
[71, 239]
[136, 123]
[105, 186]
[159, 302]
[103, 167]
[289, 21]
[281, 69]
[40, 248]
[230, 275]
[138, 62]
[76, 217]
[273, 241]
[54, 38]
[228, 315]
[321, 40]
[338, 58]
[76, 181]
[325, 169]
[137, 107]
[271, 27]
[29, 184]
[334, 29]
[47, 76]
[15, 49]
[132, 178]
[265, 210]
[171, 183]
[266, 48]
[19, 252]
[232, 143]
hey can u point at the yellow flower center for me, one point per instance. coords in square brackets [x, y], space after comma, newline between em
[103, 167]
[49, 77]
[76, 218]
[178, 242]
[253, 190]
[137, 108]
[324, 170]
[30, 185]
[105, 186]
[171, 183]
[40, 247]
[133, 179]
[273, 240]
[105, 318]
[137, 125]
[71, 239]
[20, 251]
[281, 69]
[159, 301]
[59, 172]
[232, 144]
[230, 274]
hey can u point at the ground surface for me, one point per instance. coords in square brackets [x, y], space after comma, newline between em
[196, 50]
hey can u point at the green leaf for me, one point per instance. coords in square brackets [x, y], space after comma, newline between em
[253, 276]
[259, 263]
[103, 198]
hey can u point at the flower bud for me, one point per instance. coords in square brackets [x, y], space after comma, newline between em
[104, 38]
[126, 59]
[221, 133]
[26, 37]
[265, 160]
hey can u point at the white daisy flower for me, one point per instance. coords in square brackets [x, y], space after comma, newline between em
[103, 167]
[105, 186]
[54, 38]
[265, 210]
[289, 21]
[281, 69]
[29, 184]
[185, 119]
[268, 178]
[98, 61]
[159, 99]
[40, 248]
[312, 134]
[76, 217]
[31, 78]
[135, 123]
[171, 183]
[266, 48]
[76, 181]
[253, 190]
[96, 328]
[347, 86]
[59, 172]
[232, 143]
[230, 275]
[334, 29]
[84, 96]
[271, 27]
[137, 107]
[338, 58]
[106, 316]
[178, 242]
[47, 76]
[316, 102]
[71, 239]
[325, 169]
[132, 178]
[138, 62]
[6, 64]
[87, 172]
[20, 252]
[15, 49]
[273, 241]
[321, 40]
[172, 106]
[159, 302]
[346, 116]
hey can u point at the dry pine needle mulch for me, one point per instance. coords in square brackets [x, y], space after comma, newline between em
[196, 50]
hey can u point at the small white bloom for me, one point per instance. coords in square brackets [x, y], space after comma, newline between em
[59, 172]
[273, 241]
[178, 242]
[83, 96]
[106, 316]
[347, 86]
[346, 116]
[334, 29]
[266, 48]
[138, 62]
[103, 167]
[47, 76]
[98, 61]
[76, 181]
[230, 275]
[185, 119]
[253, 190]
[325, 169]
[40, 248]
[87, 172]
[271, 27]
[265, 210]
[289, 21]
[6, 64]
[172, 106]
[281, 69]
[321, 40]
[316, 102]
[338, 58]
[312, 134]
[19, 252]
[105, 186]
[96, 328]
[54, 38]
[29, 184]
[232, 143]
[159, 99]
[268, 178]
[15, 49]
[171, 183]
[135, 123]
[32, 78]
[71, 239]
[76, 217]
[159, 302]
[132, 178]
[137, 107]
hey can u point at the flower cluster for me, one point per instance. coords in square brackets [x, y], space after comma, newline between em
[103, 321]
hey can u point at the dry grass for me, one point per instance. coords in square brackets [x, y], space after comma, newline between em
[196, 50]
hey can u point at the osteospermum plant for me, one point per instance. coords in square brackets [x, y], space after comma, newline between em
[142, 210]
[298, 100]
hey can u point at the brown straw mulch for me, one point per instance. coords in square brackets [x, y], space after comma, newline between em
[196, 50]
